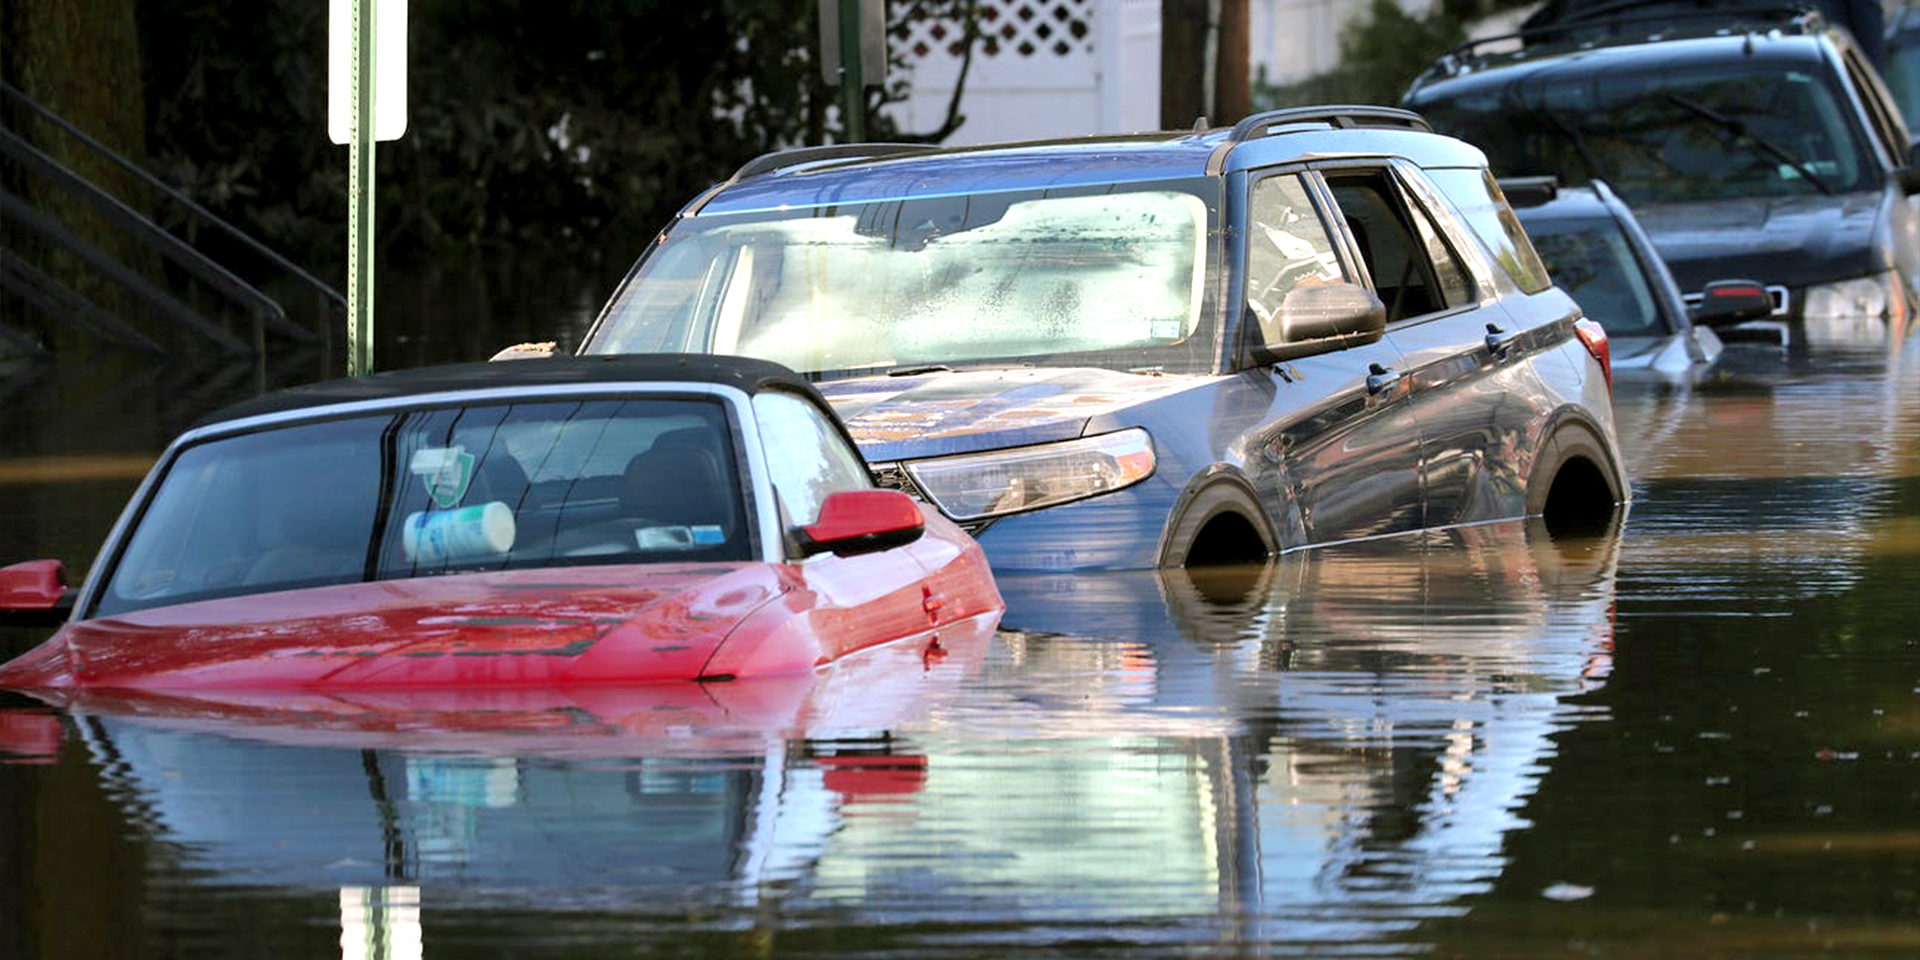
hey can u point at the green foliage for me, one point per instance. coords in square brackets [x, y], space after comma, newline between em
[1380, 54]
[543, 128]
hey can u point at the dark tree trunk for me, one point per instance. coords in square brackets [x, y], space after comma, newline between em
[1203, 62]
[1183, 59]
[1232, 74]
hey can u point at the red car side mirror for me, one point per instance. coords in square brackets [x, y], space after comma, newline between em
[34, 593]
[863, 521]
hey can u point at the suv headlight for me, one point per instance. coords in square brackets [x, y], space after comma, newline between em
[1876, 296]
[978, 485]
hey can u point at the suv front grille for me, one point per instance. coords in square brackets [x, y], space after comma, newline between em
[892, 476]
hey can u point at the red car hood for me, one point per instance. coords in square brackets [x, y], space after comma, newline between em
[609, 624]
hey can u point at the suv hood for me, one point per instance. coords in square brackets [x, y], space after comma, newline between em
[930, 415]
[1790, 241]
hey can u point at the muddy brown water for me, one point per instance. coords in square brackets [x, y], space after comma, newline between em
[1698, 737]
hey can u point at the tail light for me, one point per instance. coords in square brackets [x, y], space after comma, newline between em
[1594, 337]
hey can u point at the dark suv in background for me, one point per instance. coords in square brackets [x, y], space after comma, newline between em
[1757, 145]
[1322, 324]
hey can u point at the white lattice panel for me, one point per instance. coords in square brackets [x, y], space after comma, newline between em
[1009, 28]
[1044, 68]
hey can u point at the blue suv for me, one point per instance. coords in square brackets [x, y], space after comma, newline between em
[1323, 324]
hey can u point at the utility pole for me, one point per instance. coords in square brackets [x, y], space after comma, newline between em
[853, 54]
[366, 101]
[853, 86]
[360, 197]
[1203, 62]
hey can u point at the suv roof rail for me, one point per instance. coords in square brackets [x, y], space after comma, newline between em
[781, 159]
[1339, 116]
[1593, 24]
[1334, 115]
[1530, 191]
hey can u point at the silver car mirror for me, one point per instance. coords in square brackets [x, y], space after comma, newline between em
[1318, 317]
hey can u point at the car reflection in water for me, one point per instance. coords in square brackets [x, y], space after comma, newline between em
[1388, 710]
[517, 794]
[1330, 747]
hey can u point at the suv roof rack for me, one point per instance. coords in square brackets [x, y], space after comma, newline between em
[1593, 25]
[781, 159]
[794, 156]
[1338, 116]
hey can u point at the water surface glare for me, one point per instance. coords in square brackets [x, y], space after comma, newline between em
[1696, 737]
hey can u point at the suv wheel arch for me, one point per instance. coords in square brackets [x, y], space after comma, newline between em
[1575, 487]
[1218, 520]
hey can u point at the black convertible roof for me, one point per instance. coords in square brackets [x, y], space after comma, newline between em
[744, 373]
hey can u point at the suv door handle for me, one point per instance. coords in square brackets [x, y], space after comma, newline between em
[1498, 340]
[1381, 378]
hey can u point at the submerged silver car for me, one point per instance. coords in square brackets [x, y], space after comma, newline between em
[1322, 324]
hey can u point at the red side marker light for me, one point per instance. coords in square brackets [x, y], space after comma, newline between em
[1594, 337]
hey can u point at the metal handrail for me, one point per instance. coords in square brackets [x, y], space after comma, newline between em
[319, 286]
[263, 308]
[24, 214]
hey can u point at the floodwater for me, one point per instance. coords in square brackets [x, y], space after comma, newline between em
[1697, 737]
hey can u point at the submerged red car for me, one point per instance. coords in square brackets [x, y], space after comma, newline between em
[543, 522]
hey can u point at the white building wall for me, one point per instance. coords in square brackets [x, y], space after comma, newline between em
[1059, 68]
[1073, 67]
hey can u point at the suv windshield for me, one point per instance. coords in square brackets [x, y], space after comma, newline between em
[1112, 277]
[449, 489]
[1677, 135]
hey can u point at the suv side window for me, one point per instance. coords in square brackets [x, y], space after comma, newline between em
[1287, 244]
[1456, 285]
[806, 456]
[1484, 208]
[1396, 255]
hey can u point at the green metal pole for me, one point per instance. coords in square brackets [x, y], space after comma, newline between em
[853, 87]
[360, 198]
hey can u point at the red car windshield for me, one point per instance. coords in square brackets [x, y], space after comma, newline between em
[430, 491]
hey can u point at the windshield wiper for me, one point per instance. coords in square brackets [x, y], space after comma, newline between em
[1580, 146]
[915, 371]
[1739, 129]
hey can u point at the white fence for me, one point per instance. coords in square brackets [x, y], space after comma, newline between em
[1054, 68]
[1045, 68]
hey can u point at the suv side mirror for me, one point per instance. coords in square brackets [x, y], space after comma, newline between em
[34, 594]
[863, 521]
[1316, 318]
[1725, 302]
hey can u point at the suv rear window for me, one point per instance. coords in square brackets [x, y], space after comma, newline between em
[1477, 196]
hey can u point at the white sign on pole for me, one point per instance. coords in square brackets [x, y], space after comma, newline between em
[389, 70]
